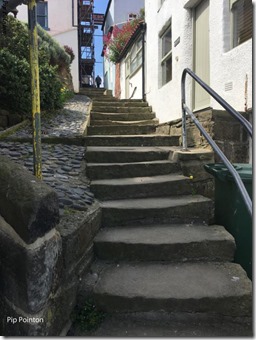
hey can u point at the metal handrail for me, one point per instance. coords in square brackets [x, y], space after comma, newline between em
[233, 112]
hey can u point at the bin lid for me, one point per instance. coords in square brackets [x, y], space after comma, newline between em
[220, 171]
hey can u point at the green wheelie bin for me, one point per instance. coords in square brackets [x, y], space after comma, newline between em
[231, 211]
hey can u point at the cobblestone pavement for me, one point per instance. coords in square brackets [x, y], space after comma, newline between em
[63, 166]
[68, 123]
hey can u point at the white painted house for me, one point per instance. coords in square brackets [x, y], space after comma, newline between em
[117, 13]
[59, 18]
[211, 37]
[132, 66]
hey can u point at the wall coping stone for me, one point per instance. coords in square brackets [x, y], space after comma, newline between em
[30, 206]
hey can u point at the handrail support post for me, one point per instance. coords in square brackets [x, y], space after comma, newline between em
[184, 129]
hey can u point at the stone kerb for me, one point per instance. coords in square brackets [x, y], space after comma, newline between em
[27, 204]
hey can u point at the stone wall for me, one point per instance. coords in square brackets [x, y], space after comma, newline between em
[8, 119]
[192, 165]
[41, 257]
[228, 134]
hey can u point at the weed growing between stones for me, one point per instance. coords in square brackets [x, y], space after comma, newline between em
[89, 317]
[193, 189]
[69, 211]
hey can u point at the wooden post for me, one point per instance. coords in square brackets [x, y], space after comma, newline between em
[35, 89]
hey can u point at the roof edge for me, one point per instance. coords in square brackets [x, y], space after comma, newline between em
[133, 37]
[105, 16]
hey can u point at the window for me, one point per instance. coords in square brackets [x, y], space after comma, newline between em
[42, 14]
[242, 16]
[136, 56]
[132, 16]
[166, 55]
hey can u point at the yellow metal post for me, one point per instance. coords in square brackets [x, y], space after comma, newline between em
[35, 89]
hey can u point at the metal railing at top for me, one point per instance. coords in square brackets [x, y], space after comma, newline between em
[247, 125]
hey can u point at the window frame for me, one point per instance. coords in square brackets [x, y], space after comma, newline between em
[45, 16]
[235, 34]
[166, 57]
[137, 58]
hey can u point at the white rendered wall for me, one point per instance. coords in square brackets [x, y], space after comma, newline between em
[109, 21]
[226, 66]
[109, 75]
[70, 38]
[166, 100]
[135, 81]
[22, 13]
[118, 13]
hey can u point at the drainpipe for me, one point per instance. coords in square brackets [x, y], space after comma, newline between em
[73, 14]
[143, 62]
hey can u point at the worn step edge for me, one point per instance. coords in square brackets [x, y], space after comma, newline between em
[141, 211]
[222, 288]
[124, 109]
[130, 104]
[121, 116]
[136, 187]
[108, 122]
[165, 243]
[125, 154]
[132, 140]
[121, 130]
[96, 171]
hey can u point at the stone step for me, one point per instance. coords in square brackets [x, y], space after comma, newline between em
[103, 98]
[180, 243]
[121, 116]
[107, 122]
[100, 98]
[121, 130]
[94, 94]
[142, 211]
[132, 140]
[202, 287]
[138, 187]
[120, 109]
[99, 90]
[106, 154]
[123, 170]
[169, 325]
[119, 103]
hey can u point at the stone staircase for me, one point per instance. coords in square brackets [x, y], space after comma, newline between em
[158, 249]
